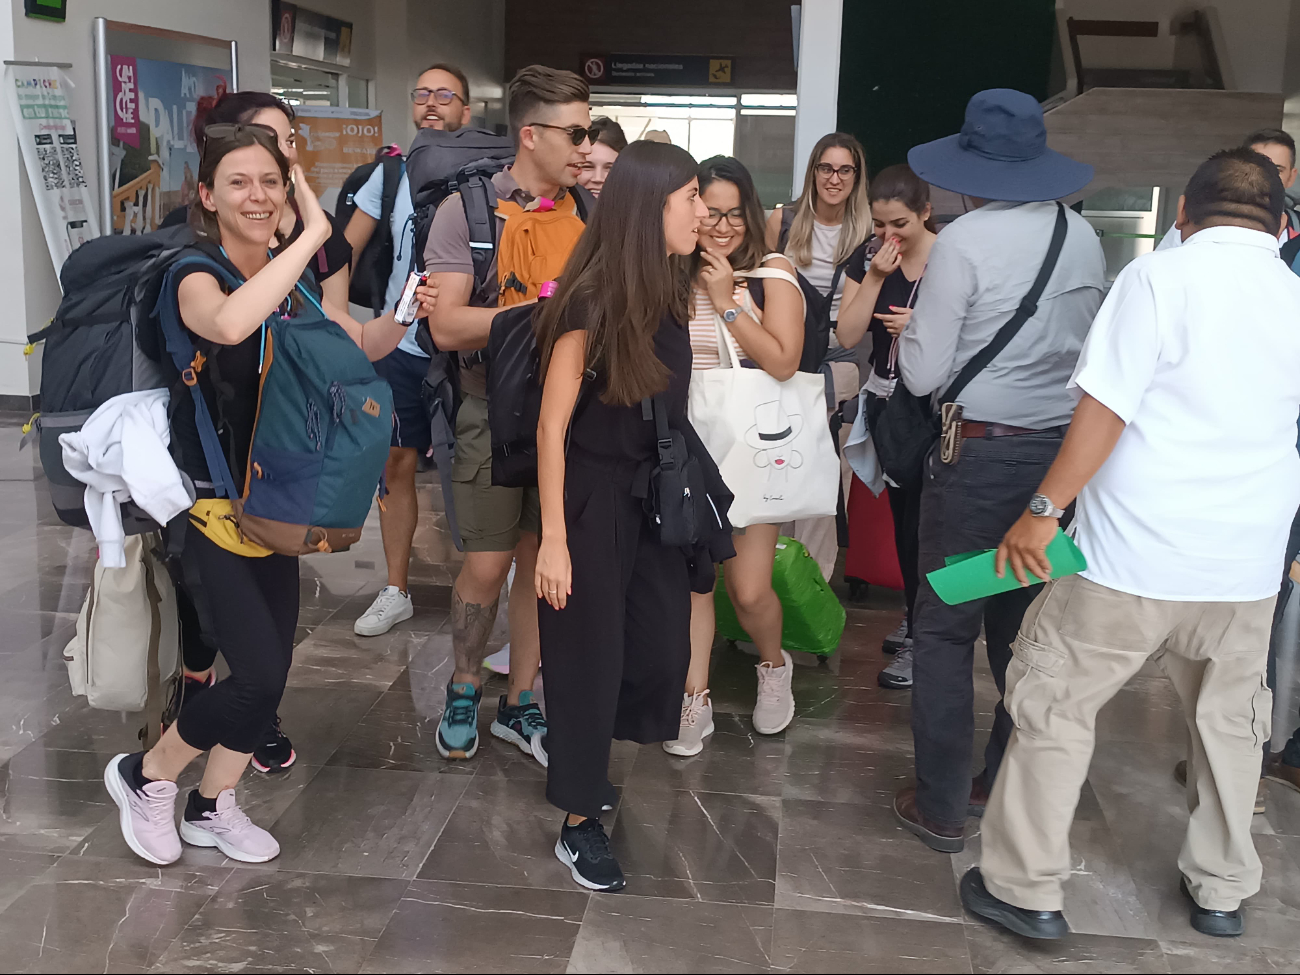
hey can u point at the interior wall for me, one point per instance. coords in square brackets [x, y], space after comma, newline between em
[907, 70]
[756, 33]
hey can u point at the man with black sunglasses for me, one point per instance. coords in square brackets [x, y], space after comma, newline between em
[550, 122]
[439, 100]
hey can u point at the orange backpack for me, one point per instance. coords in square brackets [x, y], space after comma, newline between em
[536, 241]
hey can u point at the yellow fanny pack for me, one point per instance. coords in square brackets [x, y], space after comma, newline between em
[215, 517]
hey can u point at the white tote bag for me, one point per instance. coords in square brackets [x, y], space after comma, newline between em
[769, 439]
[127, 634]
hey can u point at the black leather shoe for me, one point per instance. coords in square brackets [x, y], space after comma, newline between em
[1217, 924]
[1047, 925]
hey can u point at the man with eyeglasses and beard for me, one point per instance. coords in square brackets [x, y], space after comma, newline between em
[440, 100]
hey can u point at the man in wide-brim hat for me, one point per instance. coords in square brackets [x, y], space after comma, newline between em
[1014, 412]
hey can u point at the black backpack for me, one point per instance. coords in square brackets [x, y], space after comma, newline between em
[102, 342]
[373, 266]
[817, 306]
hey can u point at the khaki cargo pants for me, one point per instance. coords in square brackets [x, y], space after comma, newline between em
[1079, 644]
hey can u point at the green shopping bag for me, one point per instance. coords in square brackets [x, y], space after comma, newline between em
[813, 619]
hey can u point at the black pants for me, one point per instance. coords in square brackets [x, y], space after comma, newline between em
[615, 658]
[966, 506]
[198, 649]
[249, 606]
[1291, 751]
[906, 508]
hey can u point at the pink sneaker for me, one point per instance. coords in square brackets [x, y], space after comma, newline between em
[231, 832]
[147, 816]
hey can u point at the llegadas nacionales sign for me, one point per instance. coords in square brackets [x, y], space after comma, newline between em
[693, 70]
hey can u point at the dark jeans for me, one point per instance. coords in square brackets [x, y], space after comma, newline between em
[906, 508]
[966, 506]
[1291, 751]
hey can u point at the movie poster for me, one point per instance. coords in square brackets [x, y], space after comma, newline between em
[153, 159]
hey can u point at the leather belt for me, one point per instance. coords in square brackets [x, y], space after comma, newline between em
[979, 430]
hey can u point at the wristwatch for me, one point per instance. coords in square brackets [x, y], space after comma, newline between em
[1040, 506]
[730, 315]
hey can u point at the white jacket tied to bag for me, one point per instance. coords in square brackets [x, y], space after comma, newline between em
[127, 634]
[769, 439]
[120, 454]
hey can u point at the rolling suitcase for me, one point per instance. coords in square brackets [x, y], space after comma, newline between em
[812, 617]
[872, 557]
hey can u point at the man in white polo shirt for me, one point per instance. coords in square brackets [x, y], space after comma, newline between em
[1187, 482]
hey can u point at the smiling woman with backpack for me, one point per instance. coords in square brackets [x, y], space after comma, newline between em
[223, 301]
[766, 327]
[614, 599]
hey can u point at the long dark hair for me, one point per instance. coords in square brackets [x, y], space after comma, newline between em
[901, 184]
[751, 251]
[620, 280]
[215, 148]
[235, 107]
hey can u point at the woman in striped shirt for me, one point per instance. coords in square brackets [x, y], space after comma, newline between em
[767, 332]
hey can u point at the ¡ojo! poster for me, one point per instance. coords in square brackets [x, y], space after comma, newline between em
[334, 141]
[153, 159]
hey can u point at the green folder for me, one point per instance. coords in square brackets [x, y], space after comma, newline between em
[971, 575]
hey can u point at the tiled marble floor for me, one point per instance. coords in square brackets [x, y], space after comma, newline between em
[762, 854]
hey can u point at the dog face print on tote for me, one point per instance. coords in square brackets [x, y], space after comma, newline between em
[772, 436]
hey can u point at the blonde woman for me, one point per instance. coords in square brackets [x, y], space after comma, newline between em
[818, 233]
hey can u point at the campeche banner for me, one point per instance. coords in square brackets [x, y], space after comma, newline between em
[48, 137]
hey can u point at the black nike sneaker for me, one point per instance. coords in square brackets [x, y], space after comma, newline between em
[584, 849]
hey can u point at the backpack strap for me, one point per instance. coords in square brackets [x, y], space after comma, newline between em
[583, 200]
[478, 195]
[187, 362]
[787, 221]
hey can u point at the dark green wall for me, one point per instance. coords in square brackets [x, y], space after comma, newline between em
[908, 67]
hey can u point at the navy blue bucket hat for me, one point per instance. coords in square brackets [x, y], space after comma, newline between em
[1001, 153]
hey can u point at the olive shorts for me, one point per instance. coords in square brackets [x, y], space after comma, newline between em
[491, 518]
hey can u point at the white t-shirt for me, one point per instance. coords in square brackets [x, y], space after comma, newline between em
[820, 273]
[370, 201]
[1197, 349]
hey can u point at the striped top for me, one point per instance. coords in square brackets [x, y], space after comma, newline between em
[704, 331]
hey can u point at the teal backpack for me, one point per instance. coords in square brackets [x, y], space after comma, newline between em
[322, 433]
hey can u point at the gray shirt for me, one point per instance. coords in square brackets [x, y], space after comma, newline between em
[981, 267]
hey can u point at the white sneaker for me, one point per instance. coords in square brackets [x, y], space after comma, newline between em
[231, 832]
[774, 708]
[390, 607]
[697, 724]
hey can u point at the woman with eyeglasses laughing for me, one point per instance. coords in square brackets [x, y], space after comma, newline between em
[766, 329]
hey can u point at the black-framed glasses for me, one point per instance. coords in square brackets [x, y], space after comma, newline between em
[443, 96]
[735, 217]
[577, 134]
[826, 171]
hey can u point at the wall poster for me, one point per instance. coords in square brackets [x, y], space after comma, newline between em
[334, 141]
[153, 158]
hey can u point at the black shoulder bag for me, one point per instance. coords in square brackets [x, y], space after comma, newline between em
[908, 428]
[675, 485]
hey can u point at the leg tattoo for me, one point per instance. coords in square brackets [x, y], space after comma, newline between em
[471, 625]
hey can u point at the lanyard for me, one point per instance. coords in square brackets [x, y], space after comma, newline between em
[893, 343]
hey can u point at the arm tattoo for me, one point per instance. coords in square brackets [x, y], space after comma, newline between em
[471, 625]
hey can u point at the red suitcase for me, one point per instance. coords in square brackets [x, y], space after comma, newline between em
[872, 556]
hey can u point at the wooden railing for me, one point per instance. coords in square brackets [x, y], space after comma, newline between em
[137, 205]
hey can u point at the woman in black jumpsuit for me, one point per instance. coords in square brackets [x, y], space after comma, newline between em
[614, 614]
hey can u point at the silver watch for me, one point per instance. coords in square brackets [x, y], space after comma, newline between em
[730, 315]
[1040, 506]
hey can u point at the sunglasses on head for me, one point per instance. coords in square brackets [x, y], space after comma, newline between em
[577, 134]
[225, 130]
[443, 96]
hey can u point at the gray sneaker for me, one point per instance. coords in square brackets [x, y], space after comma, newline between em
[896, 640]
[774, 708]
[898, 675]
